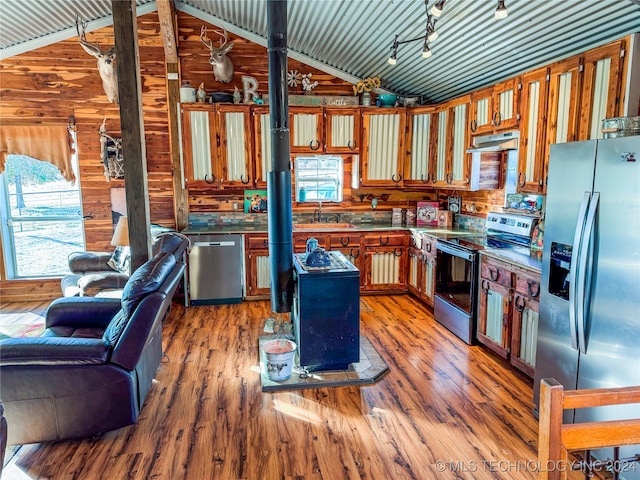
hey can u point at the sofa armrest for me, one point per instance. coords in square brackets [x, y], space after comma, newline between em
[94, 283]
[81, 312]
[53, 351]
[83, 262]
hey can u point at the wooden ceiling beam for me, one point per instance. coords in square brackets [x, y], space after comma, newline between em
[166, 16]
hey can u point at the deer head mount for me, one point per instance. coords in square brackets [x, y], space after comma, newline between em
[106, 65]
[222, 65]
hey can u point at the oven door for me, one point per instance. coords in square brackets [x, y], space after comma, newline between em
[455, 297]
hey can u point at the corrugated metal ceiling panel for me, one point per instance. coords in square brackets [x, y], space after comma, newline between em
[353, 37]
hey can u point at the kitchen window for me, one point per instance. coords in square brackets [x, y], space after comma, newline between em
[318, 178]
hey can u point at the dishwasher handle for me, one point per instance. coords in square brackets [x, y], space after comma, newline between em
[215, 244]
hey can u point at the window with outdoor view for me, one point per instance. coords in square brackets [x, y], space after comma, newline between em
[41, 217]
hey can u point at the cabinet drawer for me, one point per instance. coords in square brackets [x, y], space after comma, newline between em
[344, 240]
[496, 274]
[528, 285]
[386, 240]
[257, 242]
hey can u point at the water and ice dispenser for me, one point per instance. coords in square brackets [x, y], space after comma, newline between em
[560, 263]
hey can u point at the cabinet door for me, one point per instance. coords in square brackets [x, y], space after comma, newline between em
[414, 266]
[601, 89]
[418, 159]
[262, 144]
[524, 329]
[385, 268]
[383, 144]
[439, 166]
[306, 124]
[481, 111]
[565, 80]
[236, 145]
[342, 130]
[199, 145]
[258, 271]
[506, 105]
[531, 164]
[494, 317]
[457, 175]
[428, 278]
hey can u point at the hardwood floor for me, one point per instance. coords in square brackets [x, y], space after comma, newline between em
[445, 410]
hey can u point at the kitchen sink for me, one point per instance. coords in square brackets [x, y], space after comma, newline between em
[322, 226]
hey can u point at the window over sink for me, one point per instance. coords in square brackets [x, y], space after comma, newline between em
[318, 178]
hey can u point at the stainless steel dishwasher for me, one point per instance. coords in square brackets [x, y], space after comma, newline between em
[215, 269]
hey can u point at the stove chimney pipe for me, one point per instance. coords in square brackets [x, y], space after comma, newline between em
[279, 179]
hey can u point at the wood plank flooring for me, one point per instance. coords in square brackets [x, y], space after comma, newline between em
[445, 410]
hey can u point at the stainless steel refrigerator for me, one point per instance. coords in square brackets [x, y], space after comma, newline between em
[589, 325]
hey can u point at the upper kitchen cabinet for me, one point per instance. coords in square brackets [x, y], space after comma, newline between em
[450, 168]
[383, 134]
[235, 150]
[532, 131]
[216, 144]
[495, 108]
[420, 147]
[307, 129]
[262, 143]
[342, 130]
[601, 89]
[199, 145]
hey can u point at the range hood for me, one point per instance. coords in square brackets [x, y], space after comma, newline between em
[496, 143]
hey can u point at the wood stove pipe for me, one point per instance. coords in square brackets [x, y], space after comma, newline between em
[279, 179]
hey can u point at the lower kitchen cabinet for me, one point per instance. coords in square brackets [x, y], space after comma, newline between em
[508, 312]
[421, 268]
[257, 266]
[349, 244]
[386, 257]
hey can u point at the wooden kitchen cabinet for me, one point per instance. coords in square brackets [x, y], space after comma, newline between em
[525, 311]
[342, 130]
[262, 144]
[257, 265]
[428, 269]
[450, 167]
[531, 153]
[383, 135]
[494, 312]
[306, 126]
[385, 261]
[349, 244]
[420, 144]
[495, 108]
[508, 310]
[413, 271]
[300, 240]
[217, 145]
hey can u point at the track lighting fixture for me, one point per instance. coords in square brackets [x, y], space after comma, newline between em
[501, 10]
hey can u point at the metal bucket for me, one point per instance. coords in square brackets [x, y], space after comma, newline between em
[280, 358]
[621, 127]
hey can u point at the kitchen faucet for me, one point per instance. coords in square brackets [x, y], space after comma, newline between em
[319, 211]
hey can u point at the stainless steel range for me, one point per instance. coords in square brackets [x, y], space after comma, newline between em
[457, 268]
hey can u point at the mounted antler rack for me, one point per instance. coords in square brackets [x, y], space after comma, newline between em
[111, 154]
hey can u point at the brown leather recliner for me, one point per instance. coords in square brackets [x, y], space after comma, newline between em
[92, 368]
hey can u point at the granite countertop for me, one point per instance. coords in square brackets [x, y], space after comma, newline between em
[229, 228]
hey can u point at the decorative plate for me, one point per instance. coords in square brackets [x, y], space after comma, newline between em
[427, 213]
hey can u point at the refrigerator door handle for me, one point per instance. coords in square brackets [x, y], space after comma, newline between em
[573, 270]
[583, 281]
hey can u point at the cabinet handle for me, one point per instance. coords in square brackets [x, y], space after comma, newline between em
[497, 119]
[433, 178]
[534, 292]
[242, 179]
[394, 176]
[521, 183]
[355, 145]
[494, 274]
[485, 286]
[474, 126]
[422, 177]
[412, 241]
[342, 242]
[213, 179]
[428, 247]
[383, 243]
[520, 304]
[397, 252]
[356, 254]
[468, 180]
[449, 175]
[264, 242]
[317, 145]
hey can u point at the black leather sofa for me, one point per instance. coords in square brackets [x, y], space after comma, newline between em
[91, 369]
